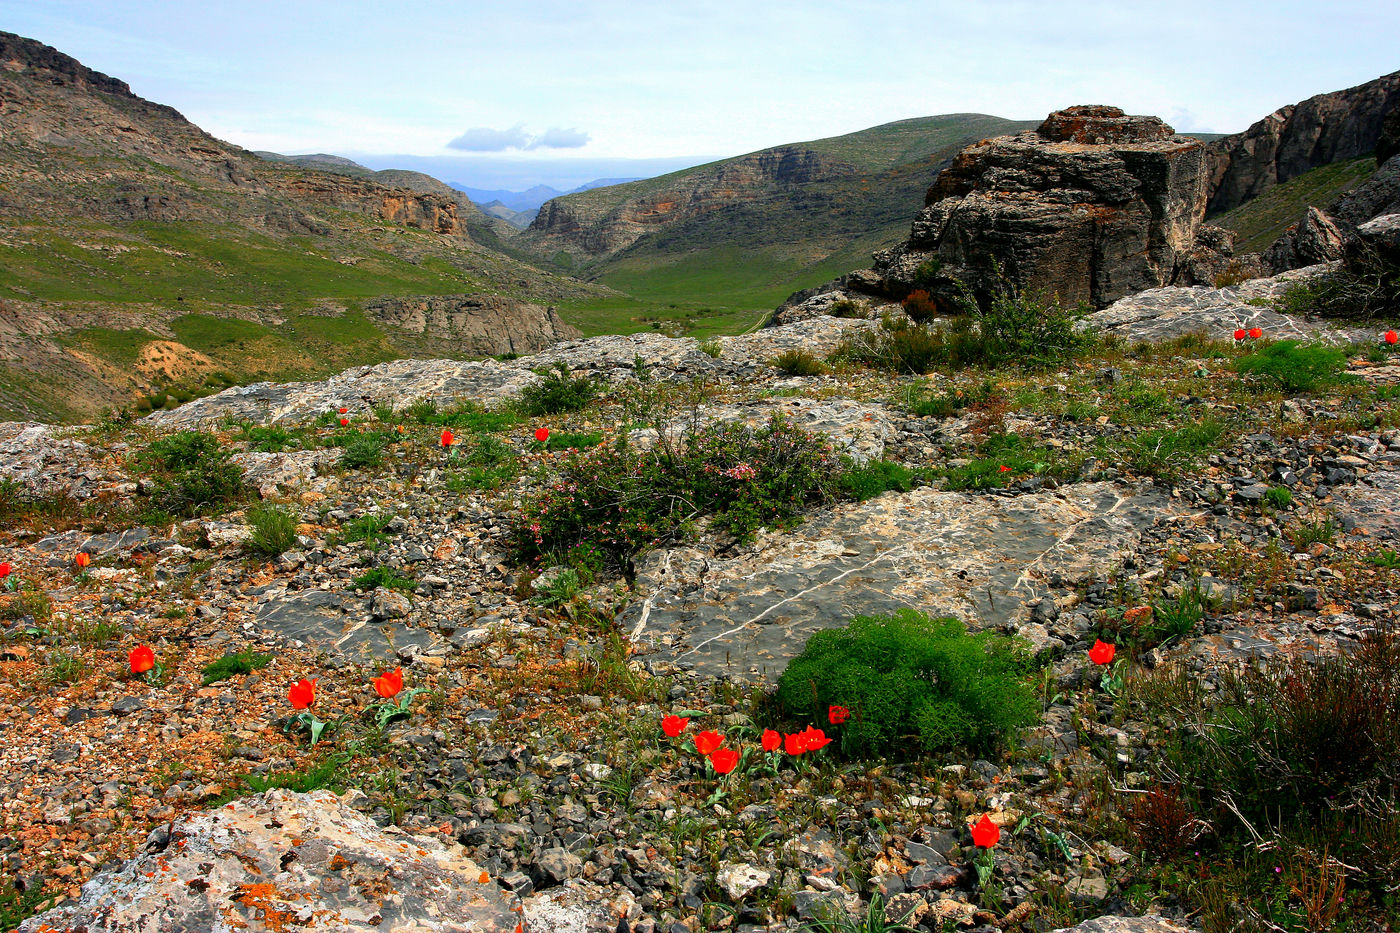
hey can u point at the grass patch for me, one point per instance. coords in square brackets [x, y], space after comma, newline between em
[1295, 367]
[233, 665]
[274, 530]
[387, 577]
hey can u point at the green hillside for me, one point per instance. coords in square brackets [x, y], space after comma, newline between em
[1258, 223]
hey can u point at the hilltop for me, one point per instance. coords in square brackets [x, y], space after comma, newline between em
[142, 258]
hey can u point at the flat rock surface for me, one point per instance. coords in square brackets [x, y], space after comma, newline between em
[979, 558]
[287, 861]
[1165, 313]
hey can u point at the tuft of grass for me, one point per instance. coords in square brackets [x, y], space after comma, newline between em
[367, 529]
[1295, 367]
[387, 577]
[557, 392]
[274, 530]
[230, 665]
[798, 362]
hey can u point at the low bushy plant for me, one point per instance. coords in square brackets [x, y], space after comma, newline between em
[619, 501]
[919, 306]
[1295, 367]
[193, 474]
[274, 530]
[231, 665]
[557, 392]
[798, 362]
[363, 450]
[1169, 452]
[875, 478]
[913, 685]
[386, 577]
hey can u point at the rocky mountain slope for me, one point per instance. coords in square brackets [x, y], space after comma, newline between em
[1327, 128]
[785, 208]
[139, 254]
[532, 783]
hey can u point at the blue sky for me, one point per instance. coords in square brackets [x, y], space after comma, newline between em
[499, 94]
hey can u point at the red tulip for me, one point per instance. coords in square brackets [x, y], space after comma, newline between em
[81, 559]
[142, 659]
[795, 744]
[837, 714]
[986, 833]
[1003, 469]
[1240, 334]
[1390, 336]
[303, 693]
[814, 739]
[344, 411]
[447, 437]
[724, 760]
[541, 434]
[674, 725]
[1101, 653]
[772, 741]
[707, 742]
[344, 422]
[1255, 333]
[388, 685]
[4, 570]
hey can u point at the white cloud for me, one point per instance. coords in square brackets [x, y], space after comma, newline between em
[485, 139]
[557, 138]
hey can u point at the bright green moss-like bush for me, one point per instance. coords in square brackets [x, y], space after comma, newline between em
[1295, 367]
[912, 685]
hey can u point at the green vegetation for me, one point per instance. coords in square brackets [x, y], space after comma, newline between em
[368, 529]
[483, 462]
[363, 449]
[608, 504]
[1005, 458]
[467, 416]
[798, 363]
[1295, 367]
[1367, 286]
[557, 392]
[1260, 221]
[386, 577]
[193, 474]
[876, 478]
[274, 530]
[913, 685]
[232, 665]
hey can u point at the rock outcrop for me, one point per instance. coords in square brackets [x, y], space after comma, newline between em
[476, 325]
[1091, 206]
[288, 861]
[1293, 139]
[1316, 238]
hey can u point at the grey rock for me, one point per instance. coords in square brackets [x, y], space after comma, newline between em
[975, 557]
[739, 880]
[555, 866]
[1314, 239]
[307, 858]
[1113, 924]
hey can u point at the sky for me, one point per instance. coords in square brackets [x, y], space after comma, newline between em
[500, 94]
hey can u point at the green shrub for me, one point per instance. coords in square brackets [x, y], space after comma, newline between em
[483, 462]
[927, 274]
[565, 440]
[386, 577]
[557, 392]
[711, 348]
[270, 438]
[274, 530]
[1026, 329]
[1177, 618]
[1169, 452]
[1278, 497]
[619, 502]
[368, 529]
[466, 417]
[363, 450]
[845, 308]
[230, 665]
[1295, 367]
[798, 363]
[875, 478]
[1004, 458]
[193, 475]
[913, 685]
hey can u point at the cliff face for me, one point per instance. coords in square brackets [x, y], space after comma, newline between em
[475, 325]
[1091, 206]
[1293, 139]
[598, 228]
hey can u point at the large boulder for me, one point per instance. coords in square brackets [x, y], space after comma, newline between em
[1316, 238]
[288, 861]
[1091, 206]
